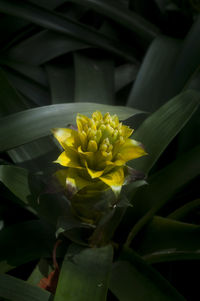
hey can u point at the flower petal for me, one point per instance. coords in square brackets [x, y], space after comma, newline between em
[69, 158]
[130, 150]
[75, 181]
[66, 137]
[126, 131]
[93, 173]
[114, 179]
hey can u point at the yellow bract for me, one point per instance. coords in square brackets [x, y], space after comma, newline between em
[97, 151]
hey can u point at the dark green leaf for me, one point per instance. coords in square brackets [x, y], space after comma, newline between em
[158, 130]
[31, 90]
[16, 180]
[61, 79]
[133, 279]
[120, 14]
[28, 240]
[165, 240]
[41, 270]
[124, 75]
[42, 47]
[188, 60]
[181, 213]
[18, 290]
[152, 87]
[162, 186]
[85, 275]
[9, 99]
[58, 23]
[32, 124]
[35, 73]
[94, 80]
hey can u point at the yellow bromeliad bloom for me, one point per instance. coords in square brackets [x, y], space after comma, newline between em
[96, 152]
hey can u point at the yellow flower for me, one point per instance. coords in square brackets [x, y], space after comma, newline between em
[96, 153]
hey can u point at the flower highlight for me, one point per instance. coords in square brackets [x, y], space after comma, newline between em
[96, 153]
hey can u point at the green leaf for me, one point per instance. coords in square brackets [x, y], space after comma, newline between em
[123, 16]
[162, 186]
[85, 275]
[164, 239]
[94, 80]
[38, 152]
[61, 79]
[124, 75]
[57, 22]
[38, 94]
[188, 60]
[18, 290]
[181, 213]
[133, 279]
[43, 47]
[30, 241]
[152, 87]
[41, 270]
[30, 125]
[158, 130]
[9, 99]
[16, 180]
[35, 73]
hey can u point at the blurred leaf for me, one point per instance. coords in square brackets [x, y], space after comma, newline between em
[34, 73]
[152, 87]
[94, 80]
[38, 94]
[166, 240]
[133, 279]
[181, 213]
[124, 75]
[28, 240]
[56, 22]
[33, 155]
[10, 100]
[16, 180]
[26, 126]
[85, 275]
[158, 130]
[50, 4]
[61, 80]
[42, 47]
[162, 186]
[18, 290]
[120, 14]
[188, 60]
[41, 270]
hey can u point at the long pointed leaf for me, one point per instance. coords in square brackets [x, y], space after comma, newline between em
[15, 289]
[152, 87]
[164, 239]
[133, 279]
[94, 80]
[58, 23]
[28, 240]
[85, 276]
[162, 186]
[32, 124]
[158, 130]
[123, 16]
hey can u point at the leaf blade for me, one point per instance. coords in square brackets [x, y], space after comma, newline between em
[36, 123]
[85, 276]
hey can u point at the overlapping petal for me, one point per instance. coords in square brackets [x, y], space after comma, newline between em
[130, 150]
[97, 152]
[69, 158]
[66, 137]
[114, 179]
